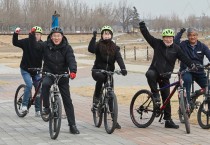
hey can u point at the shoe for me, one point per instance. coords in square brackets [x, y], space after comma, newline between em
[118, 126]
[46, 111]
[24, 109]
[171, 124]
[73, 129]
[37, 114]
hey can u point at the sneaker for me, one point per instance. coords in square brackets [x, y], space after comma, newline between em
[24, 109]
[37, 114]
[171, 124]
[73, 129]
[46, 111]
[118, 126]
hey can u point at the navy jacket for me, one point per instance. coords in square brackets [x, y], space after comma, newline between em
[196, 55]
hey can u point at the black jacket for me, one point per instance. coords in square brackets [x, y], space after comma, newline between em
[102, 61]
[196, 54]
[57, 59]
[31, 58]
[164, 57]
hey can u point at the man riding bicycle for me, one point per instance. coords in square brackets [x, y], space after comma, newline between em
[194, 50]
[165, 55]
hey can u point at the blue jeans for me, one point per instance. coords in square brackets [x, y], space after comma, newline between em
[199, 78]
[29, 81]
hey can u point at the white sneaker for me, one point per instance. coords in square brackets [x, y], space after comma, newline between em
[37, 114]
[24, 109]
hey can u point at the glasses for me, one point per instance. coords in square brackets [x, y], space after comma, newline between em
[56, 36]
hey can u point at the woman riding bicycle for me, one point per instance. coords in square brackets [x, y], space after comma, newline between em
[58, 59]
[107, 53]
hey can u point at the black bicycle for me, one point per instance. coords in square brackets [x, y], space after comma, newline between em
[144, 109]
[19, 94]
[55, 105]
[107, 104]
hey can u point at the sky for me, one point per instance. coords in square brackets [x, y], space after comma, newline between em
[152, 8]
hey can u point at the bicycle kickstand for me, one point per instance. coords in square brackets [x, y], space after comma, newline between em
[161, 116]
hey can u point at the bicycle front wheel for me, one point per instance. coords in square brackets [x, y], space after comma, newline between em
[203, 115]
[18, 100]
[44, 117]
[142, 109]
[55, 118]
[111, 113]
[183, 109]
[97, 114]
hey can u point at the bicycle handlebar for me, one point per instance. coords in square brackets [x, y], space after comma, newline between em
[108, 72]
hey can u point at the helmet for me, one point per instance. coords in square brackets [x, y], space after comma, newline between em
[106, 28]
[38, 29]
[168, 32]
[56, 30]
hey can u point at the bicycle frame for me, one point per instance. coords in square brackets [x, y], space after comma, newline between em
[39, 81]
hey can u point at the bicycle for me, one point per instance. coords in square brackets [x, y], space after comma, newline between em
[19, 94]
[203, 114]
[107, 103]
[144, 110]
[55, 105]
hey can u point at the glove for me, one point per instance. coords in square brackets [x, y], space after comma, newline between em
[33, 30]
[194, 67]
[124, 72]
[141, 24]
[72, 75]
[94, 34]
[17, 30]
[182, 30]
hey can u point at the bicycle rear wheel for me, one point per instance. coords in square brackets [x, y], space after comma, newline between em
[97, 114]
[55, 118]
[18, 100]
[183, 109]
[142, 109]
[203, 115]
[111, 113]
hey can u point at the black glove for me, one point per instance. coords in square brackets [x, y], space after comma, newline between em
[141, 24]
[124, 72]
[194, 67]
[182, 30]
[94, 34]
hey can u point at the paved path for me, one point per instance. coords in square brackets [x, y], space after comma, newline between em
[32, 130]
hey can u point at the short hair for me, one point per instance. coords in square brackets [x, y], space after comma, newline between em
[190, 30]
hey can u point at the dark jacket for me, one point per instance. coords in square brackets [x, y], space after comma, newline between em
[57, 59]
[102, 61]
[164, 57]
[196, 54]
[31, 58]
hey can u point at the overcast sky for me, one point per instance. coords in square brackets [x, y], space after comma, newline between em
[182, 8]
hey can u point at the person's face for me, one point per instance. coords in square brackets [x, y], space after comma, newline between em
[168, 40]
[106, 35]
[192, 37]
[38, 36]
[56, 38]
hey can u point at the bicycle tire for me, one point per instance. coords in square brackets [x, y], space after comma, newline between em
[44, 117]
[181, 117]
[18, 100]
[111, 113]
[183, 107]
[55, 118]
[201, 117]
[97, 114]
[144, 110]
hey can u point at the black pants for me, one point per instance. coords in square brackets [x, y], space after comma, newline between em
[100, 78]
[63, 85]
[153, 79]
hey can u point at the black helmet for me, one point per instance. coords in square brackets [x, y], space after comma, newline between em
[56, 30]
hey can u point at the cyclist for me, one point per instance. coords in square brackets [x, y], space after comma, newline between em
[58, 59]
[165, 55]
[107, 53]
[194, 50]
[31, 58]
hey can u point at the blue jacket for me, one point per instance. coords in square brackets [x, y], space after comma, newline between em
[196, 54]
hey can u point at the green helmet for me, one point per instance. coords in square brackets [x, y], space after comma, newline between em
[106, 28]
[168, 32]
[38, 29]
